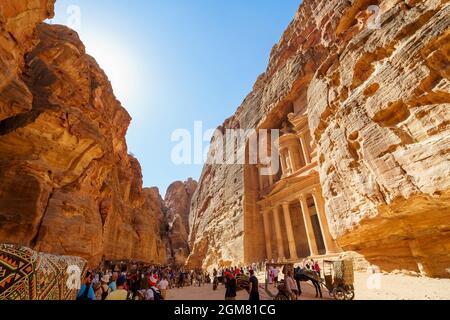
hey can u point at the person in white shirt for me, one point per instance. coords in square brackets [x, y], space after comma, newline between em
[163, 286]
[153, 292]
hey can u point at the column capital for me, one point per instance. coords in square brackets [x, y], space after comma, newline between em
[285, 204]
[317, 191]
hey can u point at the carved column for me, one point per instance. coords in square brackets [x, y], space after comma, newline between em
[287, 160]
[267, 235]
[308, 226]
[305, 147]
[278, 234]
[290, 232]
[261, 181]
[330, 245]
[296, 162]
[283, 163]
[271, 153]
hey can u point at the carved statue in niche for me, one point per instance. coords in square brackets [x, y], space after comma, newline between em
[286, 128]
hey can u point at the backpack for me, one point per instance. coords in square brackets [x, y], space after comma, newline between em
[85, 295]
[104, 293]
[156, 295]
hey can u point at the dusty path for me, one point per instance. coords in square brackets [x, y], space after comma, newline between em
[383, 287]
[206, 293]
[400, 287]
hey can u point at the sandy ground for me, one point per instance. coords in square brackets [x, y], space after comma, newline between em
[378, 287]
[400, 287]
[206, 293]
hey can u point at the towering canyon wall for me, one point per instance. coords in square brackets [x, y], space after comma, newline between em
[172, 218]
[378, 104]
[380, 115]
[68, 185]
[177, 203]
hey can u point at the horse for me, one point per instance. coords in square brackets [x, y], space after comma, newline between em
[305, 275]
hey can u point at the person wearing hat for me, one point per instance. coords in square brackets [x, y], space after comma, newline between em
[120, 293]
[153, 292]
[103, 291]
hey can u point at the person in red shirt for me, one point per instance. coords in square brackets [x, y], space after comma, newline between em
[317, 268]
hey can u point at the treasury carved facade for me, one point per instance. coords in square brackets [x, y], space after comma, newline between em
[288, 202]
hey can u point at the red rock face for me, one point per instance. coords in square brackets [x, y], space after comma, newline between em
[68, 184]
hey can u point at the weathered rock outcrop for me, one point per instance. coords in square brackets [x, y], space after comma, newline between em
[178, 202]
[380, 115]
[68, 185]
[378, 106]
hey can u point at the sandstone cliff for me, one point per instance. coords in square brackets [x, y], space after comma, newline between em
[177, 203]
[378, 107]
[68, 184]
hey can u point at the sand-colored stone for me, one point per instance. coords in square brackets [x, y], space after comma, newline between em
[380, 118]
[177, 203]
[68, 186]
[377, 106]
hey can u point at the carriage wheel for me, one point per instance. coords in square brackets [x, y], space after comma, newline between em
[339, 294]
[281, 297]
[350, 295]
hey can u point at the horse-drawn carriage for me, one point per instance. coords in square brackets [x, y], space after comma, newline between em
[339, 279]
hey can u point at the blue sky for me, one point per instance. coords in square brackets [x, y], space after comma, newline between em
[174, 62]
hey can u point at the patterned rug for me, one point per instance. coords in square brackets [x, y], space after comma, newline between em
[28, 275]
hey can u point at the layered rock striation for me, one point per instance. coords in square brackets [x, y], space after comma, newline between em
[68, 184]
[376, 92]
[380, 115]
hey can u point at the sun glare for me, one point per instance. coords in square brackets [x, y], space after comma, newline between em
[119, 64]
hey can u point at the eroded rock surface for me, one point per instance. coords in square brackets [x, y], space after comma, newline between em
[380, 115]
[377, 100]
[68, 184]
[177, 203]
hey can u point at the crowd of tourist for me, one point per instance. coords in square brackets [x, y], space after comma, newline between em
[152, 282]
[139, 282]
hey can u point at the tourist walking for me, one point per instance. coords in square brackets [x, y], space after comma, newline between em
[120, 293]
[291, 286]
[163, 286]
[253, 287]
[153, 293]
[317, 268]
[113, 284]
[230, 293]
[86, 291]
[215, 280]
[104, 290]
[275, 276]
